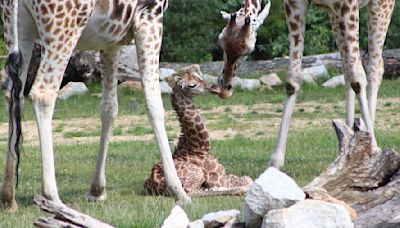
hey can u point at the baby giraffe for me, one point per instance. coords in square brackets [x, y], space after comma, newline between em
[197, 168]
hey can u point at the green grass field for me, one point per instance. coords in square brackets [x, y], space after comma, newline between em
[245, 128]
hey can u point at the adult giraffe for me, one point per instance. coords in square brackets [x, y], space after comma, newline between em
[61, 26]
[344, 16]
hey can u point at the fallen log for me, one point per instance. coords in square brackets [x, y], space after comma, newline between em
[64, 216]
[366, 178]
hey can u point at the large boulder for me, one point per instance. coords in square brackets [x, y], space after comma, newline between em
[271, 190]
[176, 219]
[309, 214]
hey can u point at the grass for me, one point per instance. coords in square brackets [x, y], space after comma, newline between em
[309, 151]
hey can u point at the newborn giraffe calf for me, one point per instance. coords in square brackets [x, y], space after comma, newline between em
[197, 168]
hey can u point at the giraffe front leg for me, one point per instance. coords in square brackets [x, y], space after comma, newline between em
[377, 29]
[349, 93]
[148, 41]
[108, 111]
[348, 21]
[295, 19]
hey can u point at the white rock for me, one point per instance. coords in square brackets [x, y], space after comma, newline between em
[309, 214]
[316, 71]
[247, 84]
[225, 218]
[165, 87]
[334, 82]
[165, 72]
[210, 78]
[271, 80]
[177, 219]
[271, 190]
[72, 88]
[196, 224]
[308, 78]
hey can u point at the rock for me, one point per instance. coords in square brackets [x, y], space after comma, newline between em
[177, 219]
[316, 72]
[220, 219]
[132, 85]
[166, 72]
[210, 78]
[334, 82]
[196, 224]
[271, 80]
[317, 193]
[309, 214]
[72, 88]
[247, 84]
[308, 78]
[271, 190]
[386, 215]
[165, 87]
[128, 64]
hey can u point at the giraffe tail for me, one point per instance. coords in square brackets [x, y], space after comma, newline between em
[14, 88]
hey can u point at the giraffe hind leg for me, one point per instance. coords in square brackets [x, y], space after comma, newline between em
[108, 111]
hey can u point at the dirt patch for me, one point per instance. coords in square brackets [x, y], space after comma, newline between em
[253, 121]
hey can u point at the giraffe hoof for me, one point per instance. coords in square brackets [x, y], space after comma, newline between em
[96, 198]
[9, 206]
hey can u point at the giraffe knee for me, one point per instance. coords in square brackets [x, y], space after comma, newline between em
[290, 89]
[356, 87]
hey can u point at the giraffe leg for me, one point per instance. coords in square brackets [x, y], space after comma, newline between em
[295, 19]
[348, 21]
[349, 93]
[379, 15]
[26, 38]
[56, 51]
[148, 41]
[109, 111]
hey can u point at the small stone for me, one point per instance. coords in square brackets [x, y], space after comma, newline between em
[309, 214]
[334, 82]
[247, 84]
[220, 219]
[72, 88]
[132, 85]
[177, 219]
[271, 80]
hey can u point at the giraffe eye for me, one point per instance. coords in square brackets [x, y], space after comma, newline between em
[192, 86]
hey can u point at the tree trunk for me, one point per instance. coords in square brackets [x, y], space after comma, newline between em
[64, 216]
[367, 179]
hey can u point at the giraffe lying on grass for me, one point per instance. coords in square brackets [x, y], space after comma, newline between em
[197, 168]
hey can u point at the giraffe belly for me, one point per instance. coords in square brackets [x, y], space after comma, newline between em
[108, 28]
[329, 3]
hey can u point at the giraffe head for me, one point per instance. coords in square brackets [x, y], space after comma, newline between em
[238, 39]
[189, 83]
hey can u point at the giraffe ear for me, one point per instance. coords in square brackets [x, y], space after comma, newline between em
[263, 14]
[226, 16]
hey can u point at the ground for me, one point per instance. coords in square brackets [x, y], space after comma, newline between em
[243, 130]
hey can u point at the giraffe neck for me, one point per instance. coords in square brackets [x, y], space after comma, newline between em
[251, 7]
[194, 135]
